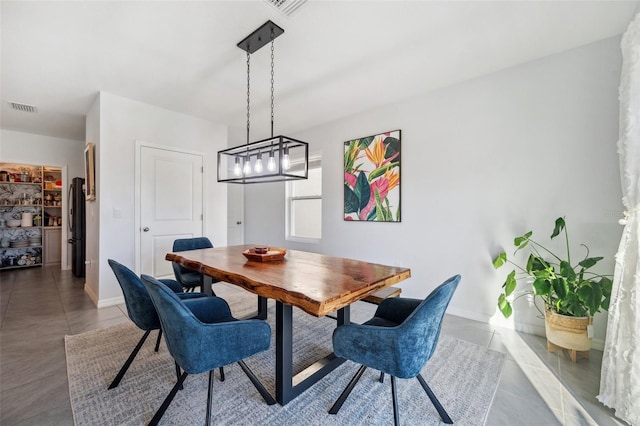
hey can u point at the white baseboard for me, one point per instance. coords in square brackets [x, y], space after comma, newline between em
[102, 303]
[91, 294]
[535, 329]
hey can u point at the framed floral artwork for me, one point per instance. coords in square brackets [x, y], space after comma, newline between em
[372, 178]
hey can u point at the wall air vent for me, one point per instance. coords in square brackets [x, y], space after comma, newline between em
[23, 107]
[286, 7]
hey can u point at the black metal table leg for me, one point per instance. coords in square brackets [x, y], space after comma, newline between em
[284, 353]
[207, 281]
[262, 308]
[289, 386]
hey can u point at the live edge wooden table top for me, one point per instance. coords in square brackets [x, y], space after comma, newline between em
[315, 283]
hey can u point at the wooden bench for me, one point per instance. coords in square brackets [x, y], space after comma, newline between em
[377, 297]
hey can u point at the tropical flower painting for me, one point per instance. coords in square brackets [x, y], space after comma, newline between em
[372, 178]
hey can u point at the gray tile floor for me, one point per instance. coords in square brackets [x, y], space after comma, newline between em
[39, 306]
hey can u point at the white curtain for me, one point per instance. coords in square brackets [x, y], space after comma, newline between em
[620, 376]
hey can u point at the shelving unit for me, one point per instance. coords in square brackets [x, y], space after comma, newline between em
[31, 196]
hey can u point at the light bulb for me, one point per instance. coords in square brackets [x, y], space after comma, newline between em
[285, 159]
[247, 166]
[271, 163]
[258, 166]
[237, 170]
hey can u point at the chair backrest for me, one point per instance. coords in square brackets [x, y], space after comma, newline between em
[179, 324]
[184, 244]
[422, 327]
[136, 297]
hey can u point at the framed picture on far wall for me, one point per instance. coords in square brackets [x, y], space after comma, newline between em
[89, 172]
[372, 178]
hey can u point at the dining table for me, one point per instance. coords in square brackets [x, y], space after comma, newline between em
[317, 284]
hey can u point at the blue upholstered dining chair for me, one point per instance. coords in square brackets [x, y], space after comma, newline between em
[202, 335]
[398, 340]
[188, 278]
[141, 310]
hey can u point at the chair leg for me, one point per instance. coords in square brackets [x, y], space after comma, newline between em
[158, 340]
[265, 395]
[209, 399]
[165, 404]
[129, 360]
[443, 414]
[394, 397]
[222, 374]
[381, 377]
[178, 373]
[345, 393]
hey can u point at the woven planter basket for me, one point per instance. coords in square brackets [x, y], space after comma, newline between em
[567, 332]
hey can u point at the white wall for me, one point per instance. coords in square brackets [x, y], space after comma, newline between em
[122, 122]
[482, 162]
[92, 212]
[28, 148]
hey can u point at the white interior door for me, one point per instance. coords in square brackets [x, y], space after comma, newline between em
[171, 204]
[235, 215]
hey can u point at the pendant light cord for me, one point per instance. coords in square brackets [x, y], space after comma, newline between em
[272, 80]
[248, 97]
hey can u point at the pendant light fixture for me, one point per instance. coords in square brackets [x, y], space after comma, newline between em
[286, 158]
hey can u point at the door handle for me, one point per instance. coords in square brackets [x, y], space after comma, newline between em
[145, 229]
[239, 222]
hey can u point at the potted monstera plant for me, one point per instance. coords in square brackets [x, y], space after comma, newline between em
[571, 292]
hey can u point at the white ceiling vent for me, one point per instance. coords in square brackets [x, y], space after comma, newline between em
[286, 7]
[23, 107]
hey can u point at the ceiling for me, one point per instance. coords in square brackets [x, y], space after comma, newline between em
[335, 59]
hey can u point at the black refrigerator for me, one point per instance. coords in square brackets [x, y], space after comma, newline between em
[77, 226]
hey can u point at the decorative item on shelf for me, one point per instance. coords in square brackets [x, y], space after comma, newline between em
[4, 176]
[571, 294]
[27, 219]
[37, 220]
[287, 158]
[13, 223]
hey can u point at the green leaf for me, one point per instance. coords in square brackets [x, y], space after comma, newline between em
[379, 209]
[348, 159]
[589, 262]
[571, 305]
[591, 295]
[392, 147]
[560, 225]
[504, 306]
[521, 242]
[606, 284]
[510, 284]
[362, 190]
[351, 201]
[500, 260]
[537, 264]
[560, 287]
[380, 171]
[541, 287]
[365, 142]
[567, 271]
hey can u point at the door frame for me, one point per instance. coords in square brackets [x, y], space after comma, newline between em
[138, 190]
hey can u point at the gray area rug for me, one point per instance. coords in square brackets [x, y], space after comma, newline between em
[464, 377]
